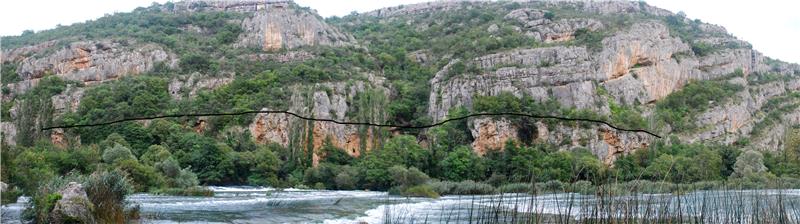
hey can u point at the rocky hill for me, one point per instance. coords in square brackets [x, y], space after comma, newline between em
[630, 63]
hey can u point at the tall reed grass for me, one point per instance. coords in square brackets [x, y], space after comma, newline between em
[631, 202]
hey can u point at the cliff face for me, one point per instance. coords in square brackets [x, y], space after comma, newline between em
[88, 62]
[277, 27]
[337, 101]
[638, 65]
[639, 56]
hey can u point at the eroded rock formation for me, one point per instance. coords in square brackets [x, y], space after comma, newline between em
[282, 25]
[540, 25]
[335, 101]
[74, 206]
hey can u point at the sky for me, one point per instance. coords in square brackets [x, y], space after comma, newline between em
[772, 26]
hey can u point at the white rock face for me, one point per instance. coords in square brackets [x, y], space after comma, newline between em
[67, 101]
[333, 100]
[190, 85]
[536, 24]
[280, 26]
[636, 66]
[95, 61]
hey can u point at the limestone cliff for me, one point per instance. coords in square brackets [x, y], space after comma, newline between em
[585, 55]
[88, 62]
[282, 25]
[340, 101]
[638, 65]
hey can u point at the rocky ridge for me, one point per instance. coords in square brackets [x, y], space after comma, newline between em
[635, 65]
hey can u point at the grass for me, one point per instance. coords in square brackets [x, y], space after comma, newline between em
[421, 191]
[727, 205]
[466, 187]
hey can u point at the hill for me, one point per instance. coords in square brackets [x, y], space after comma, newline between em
[709, 94]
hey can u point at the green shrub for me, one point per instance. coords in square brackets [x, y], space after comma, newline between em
[11, 195]
[142, 177]
[346, 181]
[198, 63]
[702, 49]
[593, 40]
[169, 167]
[107, 190]
[186, 178]
[422, 190]
[443, 187]
[462, 164]
[154, 154]
[680, 108]
[515, 188]
[583, 187]
[469, 187]
[407, 177]
[9, 74]
[554, 185]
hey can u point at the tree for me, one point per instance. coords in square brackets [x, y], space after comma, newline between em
[749, 164]
[407, 177]
[154, 154]
[186, 178]
[204, 156]
[197, 63]
[169, 167]
[333, 155]
[117, 153]
[347, 178]
[462, 164]
[661, 168]
[265, 169]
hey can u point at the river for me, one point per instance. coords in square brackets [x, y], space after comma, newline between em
[268, 205]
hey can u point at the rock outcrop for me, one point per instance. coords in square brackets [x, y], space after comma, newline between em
[635, 66]
[92, 62]
[182, 86]
[67, 101]
[564, 71]
[542, 27]
[334, 101]
[235, 6]
[289, 56]
[95, 61]
[492, 134]
[18, 54]
[271, 128]
[9, 133]
[74, 206]
[419, 8]
[284, 25]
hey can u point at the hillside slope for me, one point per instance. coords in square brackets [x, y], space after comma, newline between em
[632, 64]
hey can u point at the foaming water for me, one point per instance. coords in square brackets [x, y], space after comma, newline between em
[257, 205]
[11, 213]
[269, 205]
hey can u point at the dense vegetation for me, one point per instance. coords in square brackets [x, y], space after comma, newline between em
[679, 108]
[165, 154]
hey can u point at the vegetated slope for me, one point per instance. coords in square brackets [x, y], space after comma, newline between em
[626, 62]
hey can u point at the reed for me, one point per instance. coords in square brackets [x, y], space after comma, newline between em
[630, 202]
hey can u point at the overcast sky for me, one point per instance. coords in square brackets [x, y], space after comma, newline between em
[772, 26]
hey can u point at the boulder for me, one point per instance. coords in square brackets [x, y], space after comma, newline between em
[73, 207]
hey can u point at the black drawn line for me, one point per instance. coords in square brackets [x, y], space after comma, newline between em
[358, 123]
